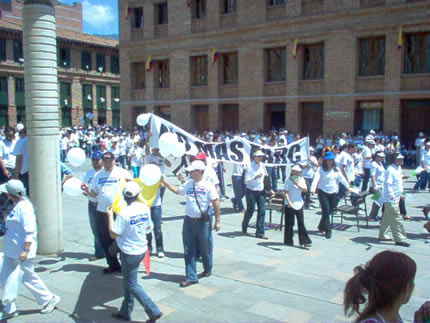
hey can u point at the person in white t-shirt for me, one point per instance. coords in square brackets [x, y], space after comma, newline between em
[7, 159]
[309, 167]
[294, 186]
[20, 246]
[377, 176]
[136, 154]
[129, 229]
[104, 187]
[197, 228]
[368, 151]
[21, 164]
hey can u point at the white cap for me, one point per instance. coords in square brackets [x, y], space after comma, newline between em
[243, 134]
[131, 189]
[19, 126]
[14, 187]
[399, 156]
[114, 139]
[380, 154]
[196, 165]
[311, 149]
[296, 168]
[427, 143]
[258, 153]
[421, 134]
[372, 132]
[210, 133]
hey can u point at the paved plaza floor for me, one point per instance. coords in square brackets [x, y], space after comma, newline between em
[253, 280]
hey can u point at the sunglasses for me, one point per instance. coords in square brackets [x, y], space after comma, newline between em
[107, 158]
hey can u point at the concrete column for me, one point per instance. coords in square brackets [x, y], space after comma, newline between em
[41, 100]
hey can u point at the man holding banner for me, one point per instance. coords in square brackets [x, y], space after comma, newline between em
[197, 229]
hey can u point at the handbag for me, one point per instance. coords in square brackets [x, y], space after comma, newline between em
[205, 216]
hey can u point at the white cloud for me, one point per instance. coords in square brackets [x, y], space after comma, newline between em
[97, 15]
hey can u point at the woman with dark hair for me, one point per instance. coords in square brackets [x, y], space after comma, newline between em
[388, 281]
[327, 179]
[129, 229]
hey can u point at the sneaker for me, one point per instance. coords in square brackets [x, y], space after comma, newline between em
[7, 316]
[160, 254]
[50, 306]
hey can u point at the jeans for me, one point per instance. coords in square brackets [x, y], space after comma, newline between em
[136, 171]
[284, 173]
[423, 181]
[253, 197]
[195, 235]
[106, 240]
[122, 161]
[156, 216]
[63, 155]
[290, 213]
[132, 289]
[239, 191]
[25, 180]
[220, 174]
[327, 206]
[308, 192]
[92, 215]
[11, 280]
[272, 172]
[358, 180]
[340, 194]
[366, 178]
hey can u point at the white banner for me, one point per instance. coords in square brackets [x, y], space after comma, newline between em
[236, 150]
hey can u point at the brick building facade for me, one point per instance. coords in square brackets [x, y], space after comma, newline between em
[347, 75]
[88, 69]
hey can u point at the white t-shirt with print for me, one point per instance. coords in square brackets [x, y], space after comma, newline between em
[21, 149]
[107, 184]
[6, 149]
[20, 228]
[294, 193]
[131, 225]
[88, 179]
[157, 160]
[205, 192]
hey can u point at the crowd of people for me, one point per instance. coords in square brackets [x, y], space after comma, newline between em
[337, 168]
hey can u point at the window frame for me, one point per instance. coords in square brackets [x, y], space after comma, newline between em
[225, 73]
[270, 76]
[18, 51]
[66, 59]
[3, 49]
[228, 7]
[198, 9]
[101, 62]
[274, 3]
[161, 9]
[138, 24]
[375, 56]
[199, 70]
[86, 60]
[313, 61]
[139, 66]
[114, 64]
[420, 64]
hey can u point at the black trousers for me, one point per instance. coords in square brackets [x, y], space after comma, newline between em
[106, 240]
[290, 213]
[366, 178]
[327, 202]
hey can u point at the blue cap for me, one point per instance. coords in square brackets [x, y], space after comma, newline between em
[97, 155]
[329, 155]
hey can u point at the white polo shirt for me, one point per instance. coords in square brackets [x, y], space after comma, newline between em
[294, 193]
[6, 149]
[131, 225]
[88, 179]
[393, 184]
[21, 149]
[328, 181]
[252, 170]
[107, 184]
[378, 170]
[206, 193]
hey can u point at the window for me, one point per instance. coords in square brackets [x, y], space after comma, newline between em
[275, 64]
[230, 117]
[100, 63]
[162, 13]
[20, 114]
[372, 56]
[138, 18]
[417, 53]
[163, 112]
[369, 116]
[272, 3]
[163, 74]
[114, 92]
[199, 71]
[139, 75]
[87, 98]
[101, 104]
[2, 49]
[19, 85]
[66, 104]
[4, 118]
[114, 64]
[198, 9]
[18, 54]
[64, 60]
[313, 62]
[228, 6]
[20, 99]
[3, 84]
[86, 61]
[229, 68]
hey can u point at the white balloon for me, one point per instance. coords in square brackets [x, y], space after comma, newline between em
[143, 119]
[165, 151]
[72, 187]
[167, 142]
[193, 150]
[76, 157]
[150, 174]
[179, 150]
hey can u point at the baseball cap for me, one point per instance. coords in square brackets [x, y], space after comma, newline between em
[421, 134]
[109, 155]
[329, 155]
[131, 189]
[372, 132]
[97, 155]
[196, 165]
[380, 154]
[259, 153]
[398, 156]
[200, 156]
[311, 149]
[296, 168]
[14, 187]
[427, 143]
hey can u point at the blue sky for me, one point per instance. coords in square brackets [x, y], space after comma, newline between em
[100, 16]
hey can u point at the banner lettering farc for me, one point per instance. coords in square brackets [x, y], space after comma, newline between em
[236, 150]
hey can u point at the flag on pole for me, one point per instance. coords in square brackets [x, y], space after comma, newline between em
[400, 39]
[149, 64]
[295, 47]
[189, 3]
[126, 11]
[214, 56]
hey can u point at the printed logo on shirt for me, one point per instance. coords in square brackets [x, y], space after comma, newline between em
[200, 191]
[138, 219]
[104, 181]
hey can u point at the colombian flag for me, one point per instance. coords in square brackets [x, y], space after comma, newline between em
[400, 39]
[215, 55]
[127, 10]
[149, 64]
[189, 3]
[295, 47]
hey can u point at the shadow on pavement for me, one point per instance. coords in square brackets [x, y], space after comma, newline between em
[171, 254]
[233, 234]
[228, 210]
[173, 218]
[169, 278]
[271, 245]
[367, 240]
